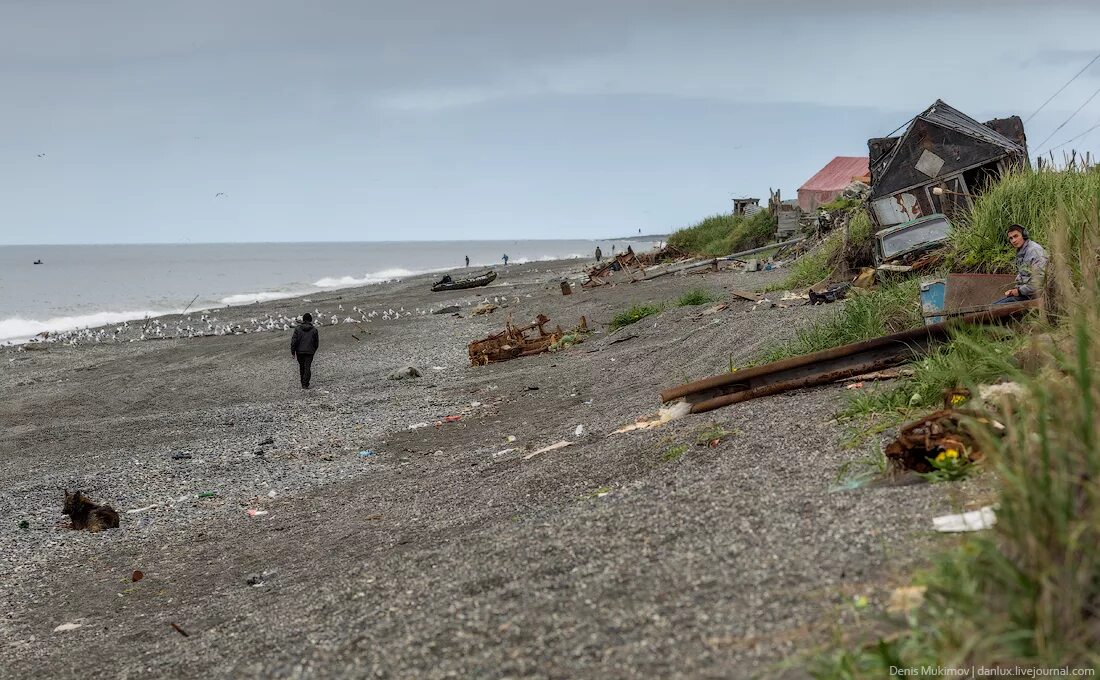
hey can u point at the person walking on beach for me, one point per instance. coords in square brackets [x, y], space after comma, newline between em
[303, 345]
[467, 261]
[505, 258]
[599, 254]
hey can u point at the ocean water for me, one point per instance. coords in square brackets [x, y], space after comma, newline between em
[90, 285]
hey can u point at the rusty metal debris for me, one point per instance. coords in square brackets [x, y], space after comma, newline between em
[828, 365]
[522, 341]
[945, 430]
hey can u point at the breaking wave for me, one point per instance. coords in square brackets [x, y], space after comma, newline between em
[368, 278]
[248, 298]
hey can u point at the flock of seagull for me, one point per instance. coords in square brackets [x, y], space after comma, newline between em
[206, 325]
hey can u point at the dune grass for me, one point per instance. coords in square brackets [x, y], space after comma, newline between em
[1029, 198]
[723, 234]
[1027, 592]
[889, 309]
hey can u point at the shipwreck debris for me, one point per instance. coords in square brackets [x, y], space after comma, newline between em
[521, 341]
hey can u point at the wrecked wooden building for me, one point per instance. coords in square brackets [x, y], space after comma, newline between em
[942, 160]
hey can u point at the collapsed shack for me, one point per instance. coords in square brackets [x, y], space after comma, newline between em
[520, 341]
[819, 368]
[943, 149]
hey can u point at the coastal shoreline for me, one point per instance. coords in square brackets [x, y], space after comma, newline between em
[355, 529]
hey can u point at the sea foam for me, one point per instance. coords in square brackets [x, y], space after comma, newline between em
[368, 278]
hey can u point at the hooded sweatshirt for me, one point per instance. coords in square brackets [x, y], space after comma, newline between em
[1031, 265]
[305, 340]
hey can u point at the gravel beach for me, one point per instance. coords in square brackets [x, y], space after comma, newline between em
[285, 533]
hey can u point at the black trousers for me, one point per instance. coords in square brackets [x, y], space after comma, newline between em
[305, 361]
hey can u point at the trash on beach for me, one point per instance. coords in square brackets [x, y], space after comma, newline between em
[667, 413]
[553, 447]
[417, 426]
[975, 520]
[367, 454]
[405, 373]
[67, 626]
[208, 494]
[515, 341]
[510, 438]
[179, 630]
[579, 432]
[181, 456]
[940, 431]
[854, 386]
[500, 453]
[137, 576]
[905, 599]
[137, 510]
[253, 512]
[451, 419]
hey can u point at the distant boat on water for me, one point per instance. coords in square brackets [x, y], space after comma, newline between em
[38, 261]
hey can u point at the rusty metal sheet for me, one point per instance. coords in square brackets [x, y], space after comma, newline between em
[965, 292]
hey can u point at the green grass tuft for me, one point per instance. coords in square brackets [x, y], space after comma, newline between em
[888, 309]
[697, 296]
[633, 315]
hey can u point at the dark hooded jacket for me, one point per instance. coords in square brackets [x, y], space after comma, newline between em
[306, 339]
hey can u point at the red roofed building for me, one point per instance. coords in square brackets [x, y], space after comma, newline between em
[832, 179]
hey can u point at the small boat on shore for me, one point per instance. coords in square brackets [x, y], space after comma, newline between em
[447, 283]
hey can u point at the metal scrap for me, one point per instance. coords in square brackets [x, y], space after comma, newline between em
[829, 365]
[522, 341]
[946, 429]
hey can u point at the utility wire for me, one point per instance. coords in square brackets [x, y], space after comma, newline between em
[1070, 141]
[1068, 119]
[1063, 87]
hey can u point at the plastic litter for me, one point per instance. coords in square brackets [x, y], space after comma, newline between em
[208, 494]
[67, 626]
[553, 447]
[502, 452]
[367, 454]
[451, 419]
[148, 507]
[417, 426]
[579, 432]
[253, 512]
[975, 520]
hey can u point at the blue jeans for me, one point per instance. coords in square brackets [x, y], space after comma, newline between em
[1011, 298]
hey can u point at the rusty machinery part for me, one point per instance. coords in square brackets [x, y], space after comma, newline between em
[515, 341]
[946, 429]
[828, 365]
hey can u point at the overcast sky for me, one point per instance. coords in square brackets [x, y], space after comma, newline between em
[354, 120]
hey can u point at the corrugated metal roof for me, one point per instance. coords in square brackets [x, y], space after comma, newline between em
[837, 174]
[943, 114]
